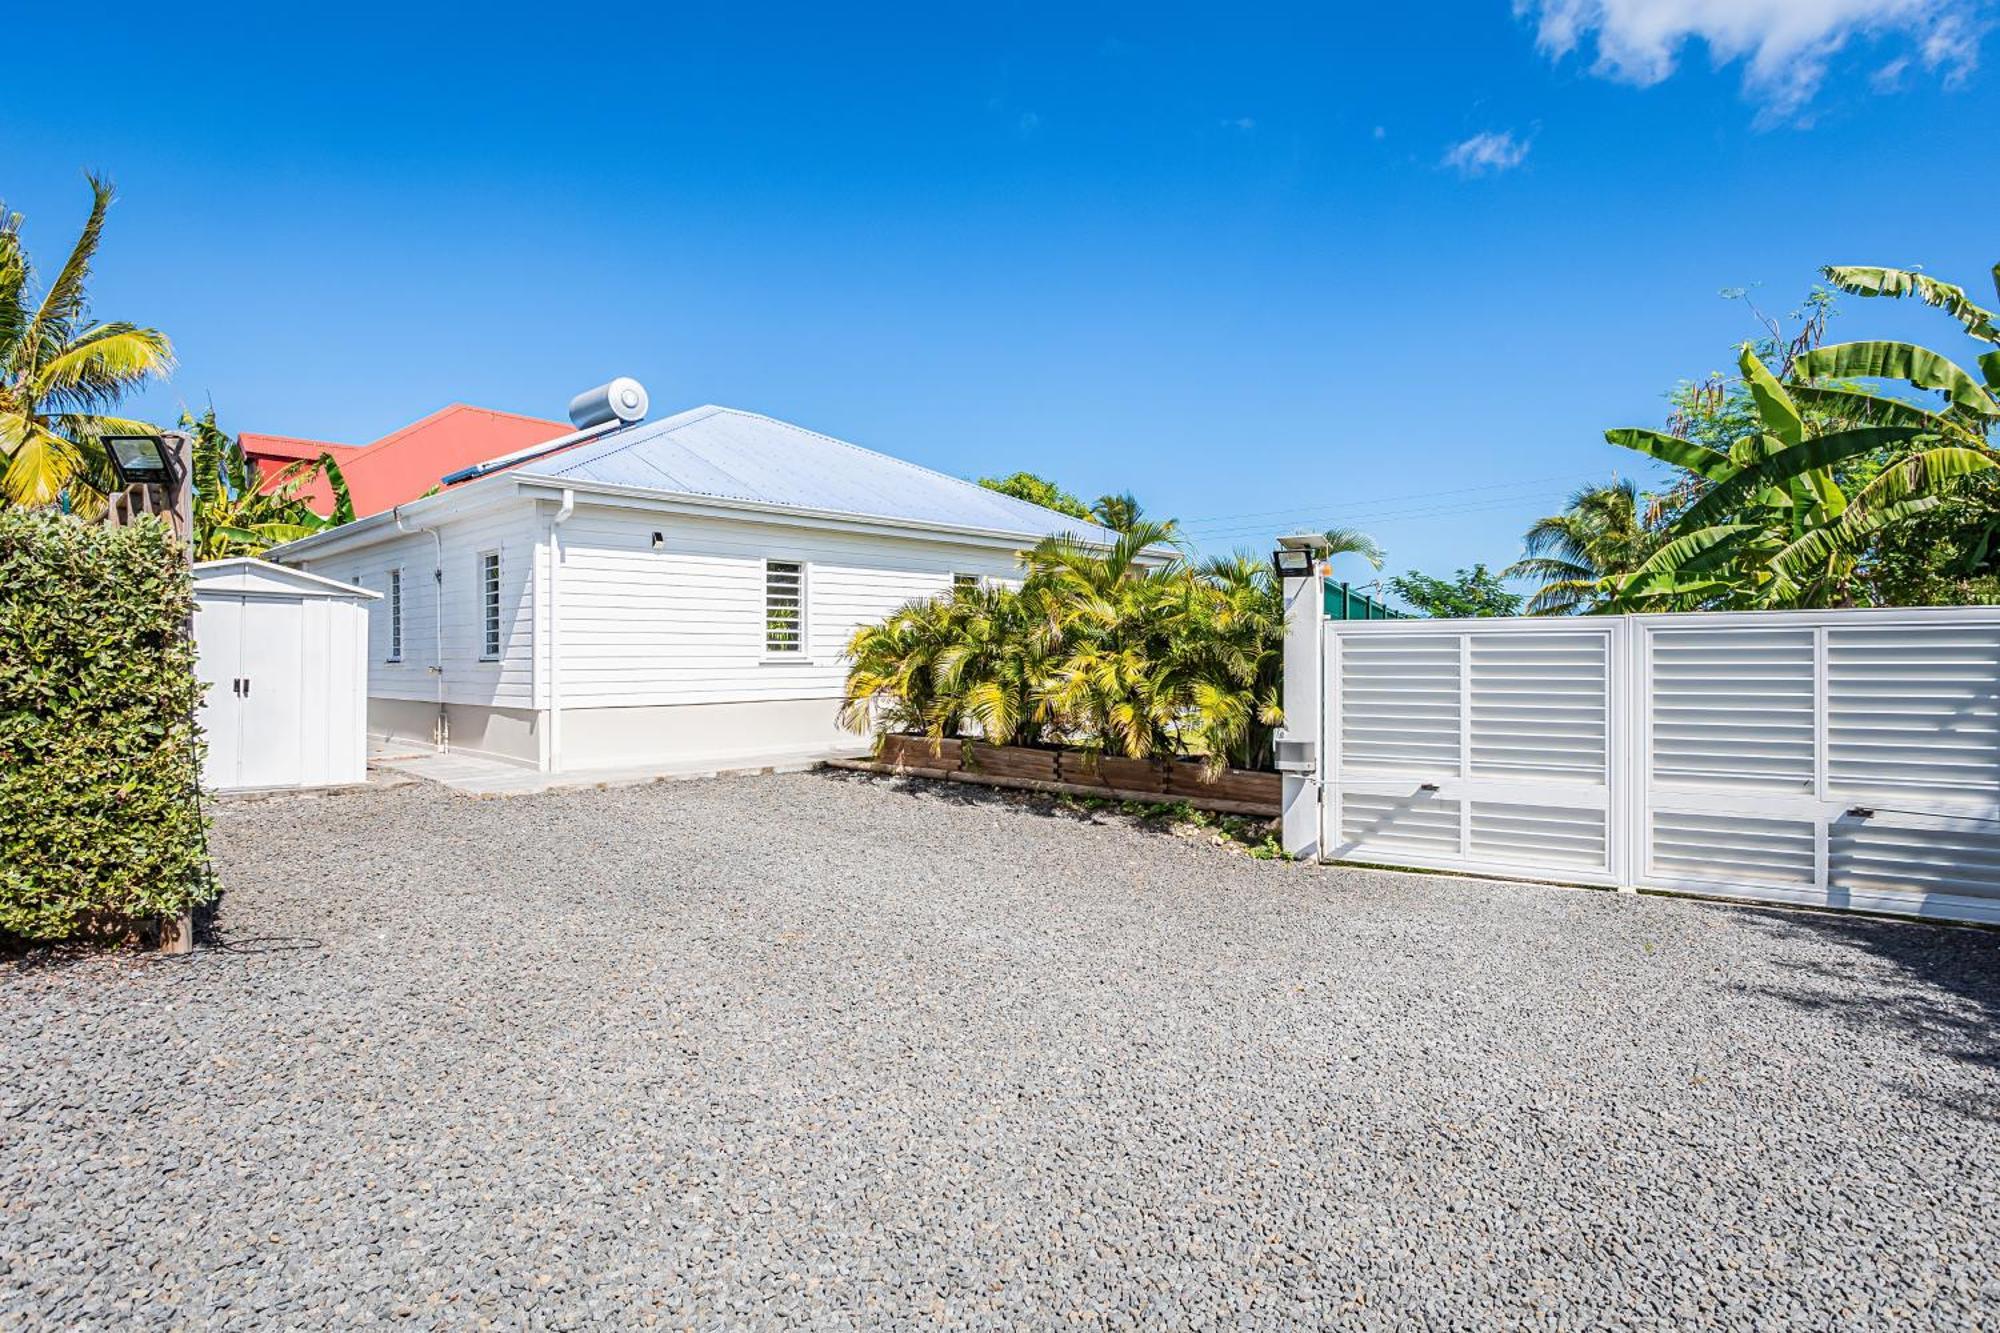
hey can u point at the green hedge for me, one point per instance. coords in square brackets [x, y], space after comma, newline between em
[99, 822]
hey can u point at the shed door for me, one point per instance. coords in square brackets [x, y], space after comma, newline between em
[218, 632]
[272, 668]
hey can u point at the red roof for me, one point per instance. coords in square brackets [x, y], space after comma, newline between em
[406, 463]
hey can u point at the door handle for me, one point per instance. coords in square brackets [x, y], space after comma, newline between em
[1428, 786]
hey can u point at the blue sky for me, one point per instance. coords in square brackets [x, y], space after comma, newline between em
[1394, 267]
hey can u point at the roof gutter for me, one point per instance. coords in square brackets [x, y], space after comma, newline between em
[716, 506]
[478, 470]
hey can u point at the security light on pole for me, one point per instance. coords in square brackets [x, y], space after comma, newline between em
[1297, 556]
[140, 460]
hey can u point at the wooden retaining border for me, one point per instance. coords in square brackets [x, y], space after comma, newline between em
[1234, 791]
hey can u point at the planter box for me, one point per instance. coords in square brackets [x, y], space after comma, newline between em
[1235, 790]
[1232, 784]
[1010, 761]
[1109, 771]
[900, 751]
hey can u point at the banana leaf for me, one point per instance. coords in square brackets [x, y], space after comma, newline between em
[1898, 361]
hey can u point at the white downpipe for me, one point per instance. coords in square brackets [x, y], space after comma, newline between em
[441, 734]
[562, 515]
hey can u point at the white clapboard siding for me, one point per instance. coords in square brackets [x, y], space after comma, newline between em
[683, 622]
[468, 676]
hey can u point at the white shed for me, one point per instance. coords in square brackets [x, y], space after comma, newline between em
[284, 656]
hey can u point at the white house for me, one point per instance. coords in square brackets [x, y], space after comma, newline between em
[656, 592]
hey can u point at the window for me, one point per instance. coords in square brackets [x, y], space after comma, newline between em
[395, 615]
[784, 607]
[967, 582]
[489, 597]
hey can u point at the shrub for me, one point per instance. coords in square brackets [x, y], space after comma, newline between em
[100, 825]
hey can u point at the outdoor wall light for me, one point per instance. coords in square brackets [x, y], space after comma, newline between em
[140, 460]
[1296, 554]
[1292, 564]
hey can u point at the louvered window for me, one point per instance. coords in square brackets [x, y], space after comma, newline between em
[1399, 704]
[1914, 709]
[1733, 709]
[489, 605]
[395, 615]
[784, 607]
[1538, 706]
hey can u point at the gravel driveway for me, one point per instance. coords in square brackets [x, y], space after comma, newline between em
[820, 1050]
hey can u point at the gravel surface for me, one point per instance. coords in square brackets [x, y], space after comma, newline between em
[824, 1050]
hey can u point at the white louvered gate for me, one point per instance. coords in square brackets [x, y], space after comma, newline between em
[1847, 758]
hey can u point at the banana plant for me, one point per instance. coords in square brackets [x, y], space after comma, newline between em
[1773, 523]
[237, 512]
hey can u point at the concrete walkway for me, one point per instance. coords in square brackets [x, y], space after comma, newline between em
[476, 775]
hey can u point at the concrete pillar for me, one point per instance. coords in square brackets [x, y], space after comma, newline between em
[1298, 738]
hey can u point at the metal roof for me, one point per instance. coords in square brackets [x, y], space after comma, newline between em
[735, 455]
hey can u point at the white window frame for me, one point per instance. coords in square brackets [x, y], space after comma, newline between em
[395, 600]
[962, 579]
[492, 635]
[802, 652]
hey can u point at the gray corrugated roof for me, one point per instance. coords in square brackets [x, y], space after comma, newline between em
[734, 455]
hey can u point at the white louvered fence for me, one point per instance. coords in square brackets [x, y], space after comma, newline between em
[1840, 758]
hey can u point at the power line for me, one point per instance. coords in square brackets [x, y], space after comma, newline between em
[1366, 518]
[1212, 520]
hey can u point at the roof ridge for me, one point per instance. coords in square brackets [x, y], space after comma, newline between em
[296, 439]
[401, 432]
[904, 462]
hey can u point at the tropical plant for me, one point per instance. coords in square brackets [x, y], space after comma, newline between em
[1469, 592]
[1603, 531]
[1120, 513]
[1353, 541]
[237, 512]
[1039, 491]
[1774, 522]
[60, 373]
[1122, 649]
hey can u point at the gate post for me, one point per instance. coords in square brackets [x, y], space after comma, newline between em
[1298, 736]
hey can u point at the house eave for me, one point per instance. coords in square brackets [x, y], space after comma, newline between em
[501, 486]
[709, 506]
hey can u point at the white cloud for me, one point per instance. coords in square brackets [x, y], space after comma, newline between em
[1244, 123]
[1486, 153]
[1785, 44]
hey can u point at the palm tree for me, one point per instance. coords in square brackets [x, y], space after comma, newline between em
[1603, 531]
[1105, 648]
[60, 372]
[237, 512]
[1353, 541]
